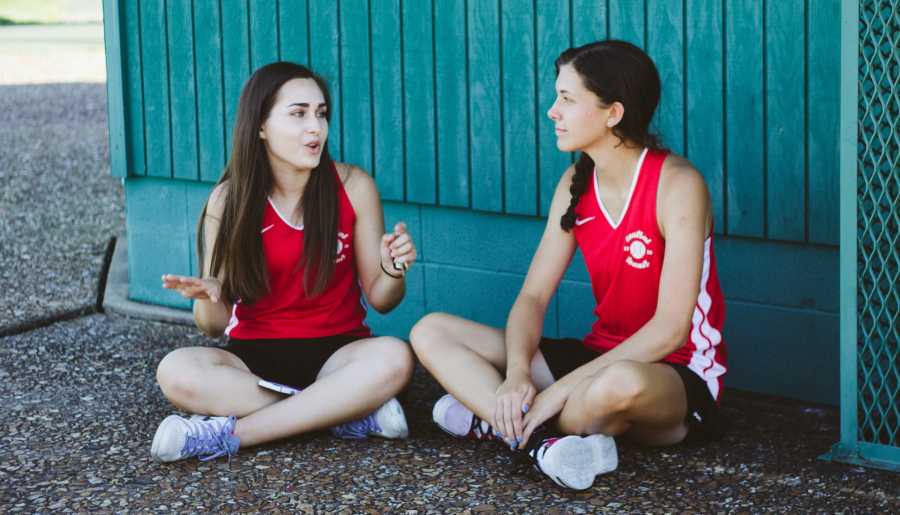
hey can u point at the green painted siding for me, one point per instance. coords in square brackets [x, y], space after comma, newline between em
[445, 103]
[472, 264]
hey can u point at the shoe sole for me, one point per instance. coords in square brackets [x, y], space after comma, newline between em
[574, 462]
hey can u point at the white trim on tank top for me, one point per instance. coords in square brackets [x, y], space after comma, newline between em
[283, 219]
[634, 179]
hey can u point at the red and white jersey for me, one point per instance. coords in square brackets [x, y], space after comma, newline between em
[286, 311]
[624, 261]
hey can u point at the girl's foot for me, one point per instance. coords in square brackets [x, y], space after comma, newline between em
[574, 461]
[180, 437]
[456, 419]
[388, 421]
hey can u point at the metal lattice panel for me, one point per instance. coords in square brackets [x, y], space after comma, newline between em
[878, 229]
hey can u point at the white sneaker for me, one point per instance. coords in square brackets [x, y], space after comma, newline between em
[454, 418]
[574, 461]
[391, 420]
[179, 437]
[388, 421]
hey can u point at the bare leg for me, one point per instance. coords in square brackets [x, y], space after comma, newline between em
[467, 358]
[359, 378]
[354, 382]
[643, 401]
[211, 381]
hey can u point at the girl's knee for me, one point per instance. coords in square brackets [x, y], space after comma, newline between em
[166, 371]
[396, 360]
[429, 334]
[605, 397]
[617, 388]
[174, 375]
[427, 328]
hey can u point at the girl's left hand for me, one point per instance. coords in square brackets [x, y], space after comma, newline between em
[547, 404]
[397, 250]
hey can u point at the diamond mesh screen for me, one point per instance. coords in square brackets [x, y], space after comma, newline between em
[878, 227]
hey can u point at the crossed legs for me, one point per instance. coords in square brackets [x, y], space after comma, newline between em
[354, 381]
[645, 402]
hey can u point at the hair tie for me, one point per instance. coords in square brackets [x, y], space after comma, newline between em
[385, 270]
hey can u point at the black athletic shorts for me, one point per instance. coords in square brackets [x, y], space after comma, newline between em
[294, 362]
[703, 419]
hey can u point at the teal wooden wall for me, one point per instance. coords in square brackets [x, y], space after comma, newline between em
[444, 102]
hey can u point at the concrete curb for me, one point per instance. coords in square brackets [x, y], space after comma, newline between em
[115, 297]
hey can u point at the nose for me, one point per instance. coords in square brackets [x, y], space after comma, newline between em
[314, 125]
[553, 113]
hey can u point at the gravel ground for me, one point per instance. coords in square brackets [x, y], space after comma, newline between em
[82, 404]
[58, 204]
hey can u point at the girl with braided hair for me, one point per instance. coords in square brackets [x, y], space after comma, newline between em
[651, 367]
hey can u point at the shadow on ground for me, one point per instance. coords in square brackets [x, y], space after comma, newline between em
[81, 405]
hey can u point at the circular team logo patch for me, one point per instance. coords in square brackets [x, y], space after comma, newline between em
[637, 246]
[343, 244]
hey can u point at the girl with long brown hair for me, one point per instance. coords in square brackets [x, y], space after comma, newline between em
[651, 367]
[292, 246]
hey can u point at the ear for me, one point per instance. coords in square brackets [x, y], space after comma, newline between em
[615, 114]
[262, 132]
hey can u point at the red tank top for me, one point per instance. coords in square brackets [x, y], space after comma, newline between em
[624, 262]
[286, 311]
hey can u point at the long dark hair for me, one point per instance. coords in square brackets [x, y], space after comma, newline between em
[615, 71]
[237, 252]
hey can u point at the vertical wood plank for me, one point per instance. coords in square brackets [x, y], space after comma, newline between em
[744, 117]
[134, 90]
[589, 20]
[418, 78]
[387, 88]
[665, 45]
[180, 29]
[552, 39]
[264, 29]
[823, 97]
[704, 111]
[357, 79]
[519, 117]
[235, 59]
[115, 88]
[325, 43]
[785, 105]
[484, 104]
[452, 102]
[293, 31]
[210, 93]
[626, 21]
[156, 88]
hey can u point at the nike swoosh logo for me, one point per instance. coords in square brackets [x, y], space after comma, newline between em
[267, 228]
[582, 221]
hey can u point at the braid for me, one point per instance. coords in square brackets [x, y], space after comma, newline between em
[584, 168]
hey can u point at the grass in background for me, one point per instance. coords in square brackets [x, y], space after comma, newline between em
[15, 12]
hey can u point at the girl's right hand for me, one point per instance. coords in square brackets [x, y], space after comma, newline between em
[514, 396]
[193, 287]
